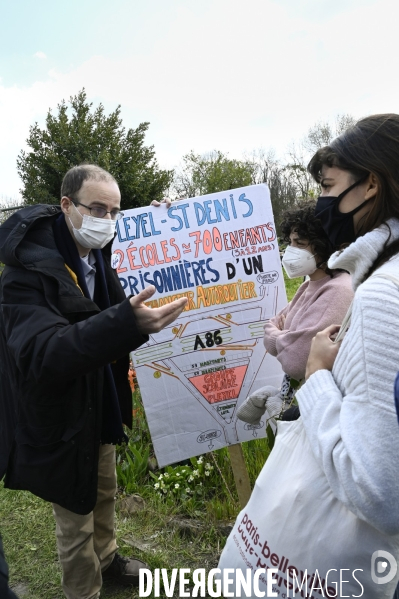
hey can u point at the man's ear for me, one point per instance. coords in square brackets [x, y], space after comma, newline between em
[66, 205]
[373, 187]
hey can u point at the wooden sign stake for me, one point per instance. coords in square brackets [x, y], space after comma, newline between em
[240, 472]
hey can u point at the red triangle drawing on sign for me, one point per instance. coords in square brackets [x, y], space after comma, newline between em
[220, 385]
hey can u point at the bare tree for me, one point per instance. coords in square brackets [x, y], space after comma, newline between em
[322, 133]
[318, 136]
[296, 171]
[8, 206]
[283, 189]
[343, 122]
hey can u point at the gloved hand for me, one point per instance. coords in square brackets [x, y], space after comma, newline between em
[275, 407]
[255, 405]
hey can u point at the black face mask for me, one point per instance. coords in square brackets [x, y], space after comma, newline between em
[338, 225]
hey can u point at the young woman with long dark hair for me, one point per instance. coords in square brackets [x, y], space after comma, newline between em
[340, 505]
[347, 403]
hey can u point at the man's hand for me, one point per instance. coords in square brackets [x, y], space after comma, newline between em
[281, 322]
[323, 351]
[166, 201]
[153, 320]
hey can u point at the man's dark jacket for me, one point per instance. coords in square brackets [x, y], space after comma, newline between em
[54, 344]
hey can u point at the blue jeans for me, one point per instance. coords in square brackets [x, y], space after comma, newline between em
[396, 595]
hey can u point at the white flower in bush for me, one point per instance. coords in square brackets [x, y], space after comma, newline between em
[177, 485]
[156, 485]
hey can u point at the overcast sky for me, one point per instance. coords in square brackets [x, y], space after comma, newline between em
[207, 74]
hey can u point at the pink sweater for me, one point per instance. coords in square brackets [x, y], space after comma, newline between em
[315, 306]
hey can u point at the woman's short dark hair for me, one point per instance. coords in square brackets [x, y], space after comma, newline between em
[369, 146]
[302, 221]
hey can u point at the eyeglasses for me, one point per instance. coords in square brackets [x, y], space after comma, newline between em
[98, 212]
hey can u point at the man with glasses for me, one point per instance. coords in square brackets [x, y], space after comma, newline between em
[66, 330]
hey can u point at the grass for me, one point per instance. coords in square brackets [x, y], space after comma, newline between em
[158, 534]
[29, 541]
[168, 532]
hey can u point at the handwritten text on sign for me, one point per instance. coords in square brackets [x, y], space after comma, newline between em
[220, 251]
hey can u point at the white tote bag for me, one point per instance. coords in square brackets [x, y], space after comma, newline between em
[293, 523]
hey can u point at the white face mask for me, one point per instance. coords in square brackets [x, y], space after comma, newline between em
[94, 233]
[298, 262]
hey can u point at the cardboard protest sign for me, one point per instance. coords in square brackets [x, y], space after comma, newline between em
[221, 252]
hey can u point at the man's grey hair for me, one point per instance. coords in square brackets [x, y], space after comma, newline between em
[75, 177]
